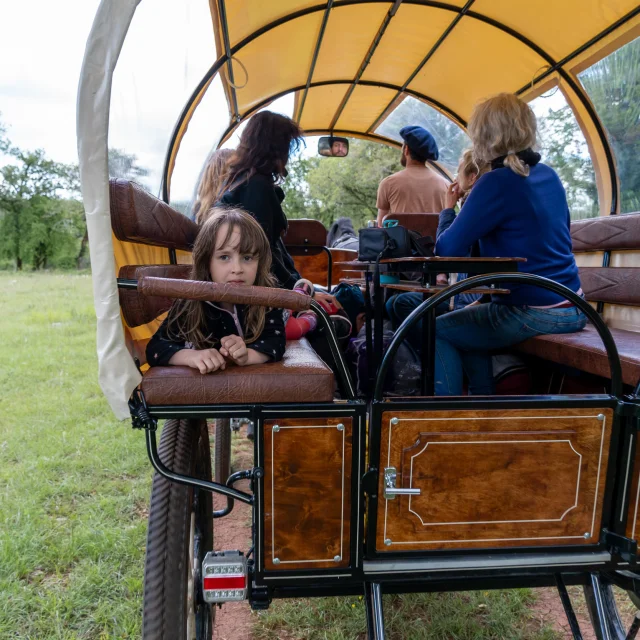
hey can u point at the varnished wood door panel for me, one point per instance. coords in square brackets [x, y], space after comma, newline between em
[499, 478]
[307, 493]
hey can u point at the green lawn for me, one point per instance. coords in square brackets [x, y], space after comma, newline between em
[74, 489]
[74, 482]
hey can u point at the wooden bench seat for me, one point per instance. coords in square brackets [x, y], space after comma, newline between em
[609, 286]
[584, 350]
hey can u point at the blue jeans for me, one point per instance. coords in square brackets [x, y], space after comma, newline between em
[401, 305]
[465, 338]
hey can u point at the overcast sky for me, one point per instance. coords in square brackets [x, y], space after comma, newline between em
[168, 49]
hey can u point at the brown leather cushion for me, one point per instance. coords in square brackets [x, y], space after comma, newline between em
[617, 285]
[584, 350]
[301, 376]
[426, 224]
[138, 309]
[305, 233]
[136, 216]
[606, 233]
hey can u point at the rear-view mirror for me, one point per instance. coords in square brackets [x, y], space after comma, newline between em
[333, 147]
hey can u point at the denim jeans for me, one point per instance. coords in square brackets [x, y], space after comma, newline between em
[401, 305]
[465, 338]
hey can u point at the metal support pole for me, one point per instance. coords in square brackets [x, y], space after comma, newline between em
[373, 606]
[568, 608]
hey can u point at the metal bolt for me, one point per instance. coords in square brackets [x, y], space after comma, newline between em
[276, 561]
[586, 536]
[275, 428]
[601, 417]
[394, 420]
[340, 427]
[388, 542]
[337, 558]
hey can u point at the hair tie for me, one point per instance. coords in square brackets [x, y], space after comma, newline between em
[511, 153]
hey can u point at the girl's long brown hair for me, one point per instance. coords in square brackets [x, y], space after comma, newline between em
[211, 181]
[187, 320]
[265, 145]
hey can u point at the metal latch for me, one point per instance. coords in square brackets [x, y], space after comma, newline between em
[390, 491]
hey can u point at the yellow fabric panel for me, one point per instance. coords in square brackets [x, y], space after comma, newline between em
[184, 257]
[278, 60]
[133, 253]
[474, 62]
[408, 38]
[344, 46]
[621, 316]
[557, 26]
[246, 16]
[363, 107]
[625, 259]
[589, 259]
[321, 105]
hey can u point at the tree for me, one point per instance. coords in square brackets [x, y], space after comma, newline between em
[125, 165]
[29, 189]
[330, 188]
[613, 84]
[564, 148]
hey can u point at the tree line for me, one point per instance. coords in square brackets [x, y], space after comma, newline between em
[42, 222]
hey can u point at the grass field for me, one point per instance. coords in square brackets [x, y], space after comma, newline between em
[74, 489]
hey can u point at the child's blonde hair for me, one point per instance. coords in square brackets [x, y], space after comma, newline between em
[187, 317]
[470, 165]
[211, 182]
[502, 126]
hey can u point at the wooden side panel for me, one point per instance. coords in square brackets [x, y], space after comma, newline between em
[307, 493]
[312, 264]
[500, 478]
[633, 526]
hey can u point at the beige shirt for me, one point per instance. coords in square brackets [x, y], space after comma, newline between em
[415, 189]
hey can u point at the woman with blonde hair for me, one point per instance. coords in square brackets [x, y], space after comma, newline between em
[210, 185]
[518, 208]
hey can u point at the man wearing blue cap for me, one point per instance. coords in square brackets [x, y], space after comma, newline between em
[417, 188]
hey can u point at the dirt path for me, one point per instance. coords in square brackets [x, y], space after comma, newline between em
[234, 620]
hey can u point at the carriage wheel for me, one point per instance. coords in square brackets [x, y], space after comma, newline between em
[180, 534]
[601, 597]
[222, 450]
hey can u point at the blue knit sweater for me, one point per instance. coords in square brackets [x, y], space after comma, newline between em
[512, 216]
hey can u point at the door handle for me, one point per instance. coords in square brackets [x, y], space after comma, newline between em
[390, 490]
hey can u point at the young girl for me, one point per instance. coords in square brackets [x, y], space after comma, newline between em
[231, 248]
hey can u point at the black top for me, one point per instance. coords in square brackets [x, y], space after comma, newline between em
[221, 323]
[261, 198]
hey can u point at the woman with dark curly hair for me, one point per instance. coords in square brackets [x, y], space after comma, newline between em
[255, 172]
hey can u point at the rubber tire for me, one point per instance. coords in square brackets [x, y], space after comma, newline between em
[222, 450]
[612, 616]
[184, 448]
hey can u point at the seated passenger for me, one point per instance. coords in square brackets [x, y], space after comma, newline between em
[517, 209]
[417, 188]
[401, 305]
[231, 248]
[211, 181]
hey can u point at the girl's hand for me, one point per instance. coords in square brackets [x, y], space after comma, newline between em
[234, 348]
[205, 360]
[454, 194]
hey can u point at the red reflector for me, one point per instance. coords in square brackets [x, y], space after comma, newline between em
[224, 582]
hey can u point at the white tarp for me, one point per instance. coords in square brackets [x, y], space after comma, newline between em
[117, 373]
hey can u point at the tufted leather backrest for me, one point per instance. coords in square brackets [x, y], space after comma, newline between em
[138, 309]
[137, 216]
[608, 233]
[617, 285]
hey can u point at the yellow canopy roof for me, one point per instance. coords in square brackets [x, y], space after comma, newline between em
[349, 63]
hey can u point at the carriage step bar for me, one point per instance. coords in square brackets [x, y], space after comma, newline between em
[225, 577]
[494, 561]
